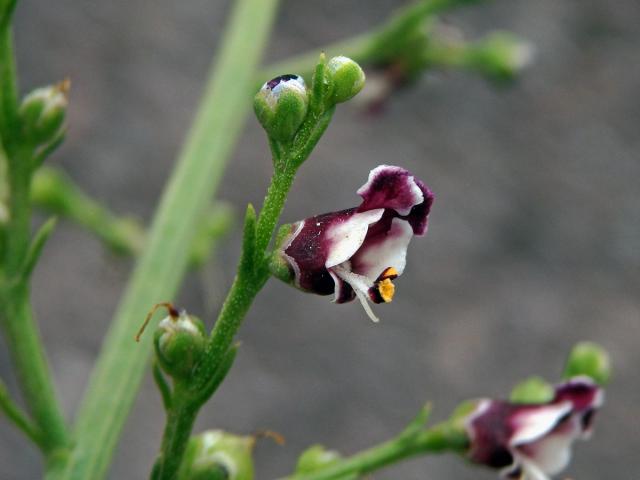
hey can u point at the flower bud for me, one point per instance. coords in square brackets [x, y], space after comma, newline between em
[314, 458]
[532, 390]
[501, 56]
[179, 341]
[347, 78]
[590, 359]
[216, 454]
[42, 112]
[281, 105]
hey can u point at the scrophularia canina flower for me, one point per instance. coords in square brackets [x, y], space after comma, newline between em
[358, 252]
[533, 441]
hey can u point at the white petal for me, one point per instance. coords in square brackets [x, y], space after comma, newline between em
[532, 472]
[360, 285]
[532, 425]
[347, 237]
[371, 260]
[553, 452]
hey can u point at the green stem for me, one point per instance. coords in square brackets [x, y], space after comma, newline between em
[122, 363]
[25, 346]
[180, 419]
[18, 417]
[8, 84]
[272, 208]
[16, 316]
[57, 194]
[438, 439]
[376, 46]
[250, 279]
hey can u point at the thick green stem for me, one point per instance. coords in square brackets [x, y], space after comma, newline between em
[16, 316]
[180, 419]
[32, 370]
[438, 439]
[122, 363]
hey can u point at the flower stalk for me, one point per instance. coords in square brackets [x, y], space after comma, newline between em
[413, 41]
[192, 391]
[17, 258]
[415, 440]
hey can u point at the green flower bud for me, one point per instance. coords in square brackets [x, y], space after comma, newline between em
[347, 78]
[501, 56]
[215, 454]
[42, 113]
[179, 342]
[316, 457]
[532, 390]
[281, 105]
[590, 359]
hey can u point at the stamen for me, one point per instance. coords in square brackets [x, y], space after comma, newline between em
[386, 289]
[383, 289]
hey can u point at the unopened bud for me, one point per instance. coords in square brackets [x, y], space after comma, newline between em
[532, 390]
[347, 78]
[314, 458]
[501, 56]
[590, 359]
[216, 454]
[281, 105]
[179, 342]
[42, 112]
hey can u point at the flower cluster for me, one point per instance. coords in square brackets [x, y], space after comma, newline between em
[358, 252]
[532, 441]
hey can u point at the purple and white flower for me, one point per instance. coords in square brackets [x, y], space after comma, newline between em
[533, 441]
[357, 252]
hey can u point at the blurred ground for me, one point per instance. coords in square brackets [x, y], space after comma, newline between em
[534, 241]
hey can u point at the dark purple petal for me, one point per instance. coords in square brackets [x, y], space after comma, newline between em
[490, 432]
[582, 392]
[390, 187]
[395, 188]
[418, 217]
[310, 249]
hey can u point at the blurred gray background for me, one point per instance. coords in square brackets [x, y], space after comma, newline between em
[534, 241]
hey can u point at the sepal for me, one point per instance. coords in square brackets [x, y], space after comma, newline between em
[216, 454]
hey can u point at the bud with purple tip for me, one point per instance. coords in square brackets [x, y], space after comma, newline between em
[281, 106]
